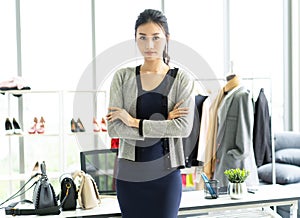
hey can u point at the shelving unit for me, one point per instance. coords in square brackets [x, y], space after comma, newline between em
[57, 143]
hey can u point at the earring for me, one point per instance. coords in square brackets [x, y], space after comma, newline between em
[166, 56]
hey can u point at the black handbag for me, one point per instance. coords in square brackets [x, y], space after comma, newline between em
[44, 198]
[68, 195]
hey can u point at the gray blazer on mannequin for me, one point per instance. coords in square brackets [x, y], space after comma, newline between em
[234, 137]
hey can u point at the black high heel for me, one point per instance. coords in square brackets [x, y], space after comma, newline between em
[74, 127]
[17, 128]
[8, 127]
[80, 126]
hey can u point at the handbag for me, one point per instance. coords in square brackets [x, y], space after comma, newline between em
[88, 194]
[44, 198]
[68, 194]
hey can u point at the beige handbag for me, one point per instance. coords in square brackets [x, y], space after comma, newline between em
[88, 194]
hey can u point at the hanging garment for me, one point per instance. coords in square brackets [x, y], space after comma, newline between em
[210, 151]
[203, 132]
[262, 131]
[234, 136]
[190, 144]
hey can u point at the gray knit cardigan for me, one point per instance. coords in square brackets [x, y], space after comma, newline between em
[124, 93]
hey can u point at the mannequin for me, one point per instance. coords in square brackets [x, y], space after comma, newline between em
[234, 133]
[230, 77]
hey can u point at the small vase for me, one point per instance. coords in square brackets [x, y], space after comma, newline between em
[237, 190]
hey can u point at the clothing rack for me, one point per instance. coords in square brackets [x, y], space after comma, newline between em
[252, 79]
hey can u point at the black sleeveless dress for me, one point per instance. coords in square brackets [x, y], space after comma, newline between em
[147, 187]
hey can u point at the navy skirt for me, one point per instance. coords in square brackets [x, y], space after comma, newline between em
[159, 198]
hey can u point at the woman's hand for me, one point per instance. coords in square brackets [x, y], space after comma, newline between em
[119, 113]
[177, 111]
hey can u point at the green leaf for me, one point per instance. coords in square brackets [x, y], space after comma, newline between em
[236, 175]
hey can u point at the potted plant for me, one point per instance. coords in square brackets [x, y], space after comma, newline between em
[237, 186]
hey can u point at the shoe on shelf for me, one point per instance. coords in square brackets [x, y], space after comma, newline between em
[96, 125]
[36, 171]
[17, 128]
[80, 126]
[8, 127]
[41, 126]
[103, 125]
[74, 127]
[33, 128]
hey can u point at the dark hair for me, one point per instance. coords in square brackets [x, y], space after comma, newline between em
[155, 16]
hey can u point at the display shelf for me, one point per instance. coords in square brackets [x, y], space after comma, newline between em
[57, 107]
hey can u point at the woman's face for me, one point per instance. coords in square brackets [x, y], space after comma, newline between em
[151, 40]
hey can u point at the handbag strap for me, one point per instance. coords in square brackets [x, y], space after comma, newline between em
[12, 210]
[19, 192]
[68, 186]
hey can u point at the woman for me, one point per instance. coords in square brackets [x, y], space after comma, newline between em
[149, 111]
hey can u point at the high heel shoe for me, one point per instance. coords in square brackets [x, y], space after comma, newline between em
[33, 128]
[96, 125]
[103, 125]
[35, 171]
[8, 127]
[80, 126]
[17, 128]
[41, 128]
[74, 127]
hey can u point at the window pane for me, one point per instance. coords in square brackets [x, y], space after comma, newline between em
[56, 42]
[256, 31]
[115, 20]
[199, 25]
[8, 51]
